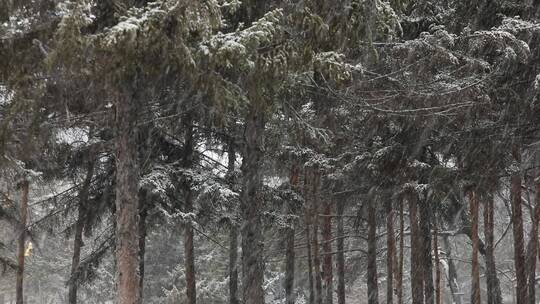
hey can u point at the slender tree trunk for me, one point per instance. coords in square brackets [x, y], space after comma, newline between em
[289, 268]
[417, 280]
[21, 243]
[79, 225]
[427, 260]
[189, 255]
[290, 254]
[327, 248]
[315, 241]
[233, 262]
[452, 272]
[475, 276]
[372, 282]
[493, 287]
[399, 280]
[532, 247]
[127, 201]
[233, 234]
[517, 225]
[340, 255]
[143, 214]
[307, 197]
[390, 253]
[438, 293]
[251, 206]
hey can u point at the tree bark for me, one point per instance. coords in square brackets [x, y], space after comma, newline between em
[475, 275]
[425, 226]
[340, 257]
[399, 279]
[452, 272]
[307, 198]
[79, 225]
[327, 248]
[189, 255]
[251, 206]
[233, 265]
[290, 235]
[438, 293]
[372, 282]
[143, 214]
[532, 247]
[517, 229]
[417, 280]
[127, 201]
[233, 234]
[21, 243]
[390, 253]
[315, 240]
[492, 281]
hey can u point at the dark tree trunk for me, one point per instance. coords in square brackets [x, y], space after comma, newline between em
[289, 268]
[315, 240]
[399, 279]
[438, 293]
[79, 225]
[452, 272]
[532, 247]
[127, 201]
[517, 225]
[372, 284]
[21, 243]
[290, 254]
[390, 253]
[143, 214]
[492, 281]
[340, 255]
[427, 260]
[233, 265]
[475, 275]
[189, 255]
[233, 234]
[327, 248]
[251, 206]
[307, 197]
[417, 268]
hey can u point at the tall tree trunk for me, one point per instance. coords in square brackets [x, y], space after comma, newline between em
[289, 268]
[233, 265]
[417, 279]
[372, 282]
[390, 253]
[143, 214]
[189, 255]
[327, 248]
[399, 279]
[127, 200]
[452, 272]
[517, 225]
[22, 242]
[79, 225]
[290, 254]
[475, 276]
[532, 247]
[307, 198]
[233, 234]
[438, 294]
[340, 257]
[251, 206]
[315, 240]
[427, 260]
[492, 281]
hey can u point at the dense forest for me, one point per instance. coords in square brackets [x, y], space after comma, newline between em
[269, 151]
